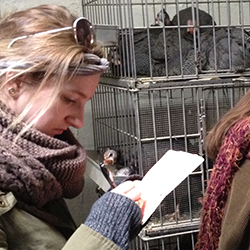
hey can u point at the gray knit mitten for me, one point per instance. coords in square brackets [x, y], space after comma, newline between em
[116, 217]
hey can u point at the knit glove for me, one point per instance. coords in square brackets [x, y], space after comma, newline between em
[116, 217]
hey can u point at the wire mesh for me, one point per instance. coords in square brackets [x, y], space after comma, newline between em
[144, 123]
[171, 78]
[184, 241]
[176, 39]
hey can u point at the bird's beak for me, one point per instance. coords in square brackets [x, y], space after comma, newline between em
[109, 161]
[157, 20]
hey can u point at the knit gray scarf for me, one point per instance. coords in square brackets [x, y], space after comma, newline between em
[38, 168]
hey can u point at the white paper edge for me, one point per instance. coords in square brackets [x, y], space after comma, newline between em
[165, 176]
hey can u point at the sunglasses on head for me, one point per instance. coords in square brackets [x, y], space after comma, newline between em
[83, 32]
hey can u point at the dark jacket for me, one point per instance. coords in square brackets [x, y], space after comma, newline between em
[235, 233]
[20, 230]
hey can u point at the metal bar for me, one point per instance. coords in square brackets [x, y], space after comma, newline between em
[144, 115]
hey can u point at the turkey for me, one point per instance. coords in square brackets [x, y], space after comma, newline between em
[220, 50]
[169, 53]
[157, 52]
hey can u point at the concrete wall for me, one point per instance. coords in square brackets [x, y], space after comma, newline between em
[7, 6]
[80, 206]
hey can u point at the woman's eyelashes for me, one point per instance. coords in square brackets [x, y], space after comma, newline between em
[68, 99]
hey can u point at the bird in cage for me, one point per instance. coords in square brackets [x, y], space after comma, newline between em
[194, 22]
[187, 17]
[156, 52]
[219, 48]
[110, 157]
[159, 52]
[227, 49]
[114, 168]
[163, 17]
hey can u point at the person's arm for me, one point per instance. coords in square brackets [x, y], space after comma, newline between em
[113, 220]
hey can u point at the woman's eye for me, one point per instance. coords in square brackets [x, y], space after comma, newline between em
[68, 100]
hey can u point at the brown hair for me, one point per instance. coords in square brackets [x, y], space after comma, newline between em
[227, 145]
[215, 137]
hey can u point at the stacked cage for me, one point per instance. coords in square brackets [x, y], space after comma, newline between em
[175, 69]
[145, 123]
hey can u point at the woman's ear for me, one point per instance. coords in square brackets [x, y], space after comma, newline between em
[13, 85]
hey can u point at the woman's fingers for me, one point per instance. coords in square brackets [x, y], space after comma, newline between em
[130, 189]
[124, 187]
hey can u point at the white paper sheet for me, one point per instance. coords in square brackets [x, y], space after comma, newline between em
[165, 176]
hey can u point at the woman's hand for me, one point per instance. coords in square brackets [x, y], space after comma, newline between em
[130, 189]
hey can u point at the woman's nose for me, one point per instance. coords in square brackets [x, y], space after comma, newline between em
[76, 119]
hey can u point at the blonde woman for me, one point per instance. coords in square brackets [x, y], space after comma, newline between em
[50, 65]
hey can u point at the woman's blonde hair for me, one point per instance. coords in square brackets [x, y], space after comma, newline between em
[37, 59]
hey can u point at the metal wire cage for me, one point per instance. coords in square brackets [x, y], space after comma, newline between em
[143, 123]
[200, 37]
[167, 85]
[185, 241]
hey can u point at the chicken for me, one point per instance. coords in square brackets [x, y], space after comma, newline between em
[113, 167]
[216, 48]
[169, 53]
[156, 52]
[163, 17]
[226, 49]
[186, 17]
[160, 51]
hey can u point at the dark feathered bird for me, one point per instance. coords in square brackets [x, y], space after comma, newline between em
[169, 53]
[221, 50]
[122, 60]
[173, 53]
[110, 158]
[195, 18]
[163, 51]
[163, 17]
[226, 49]
[114, 162]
